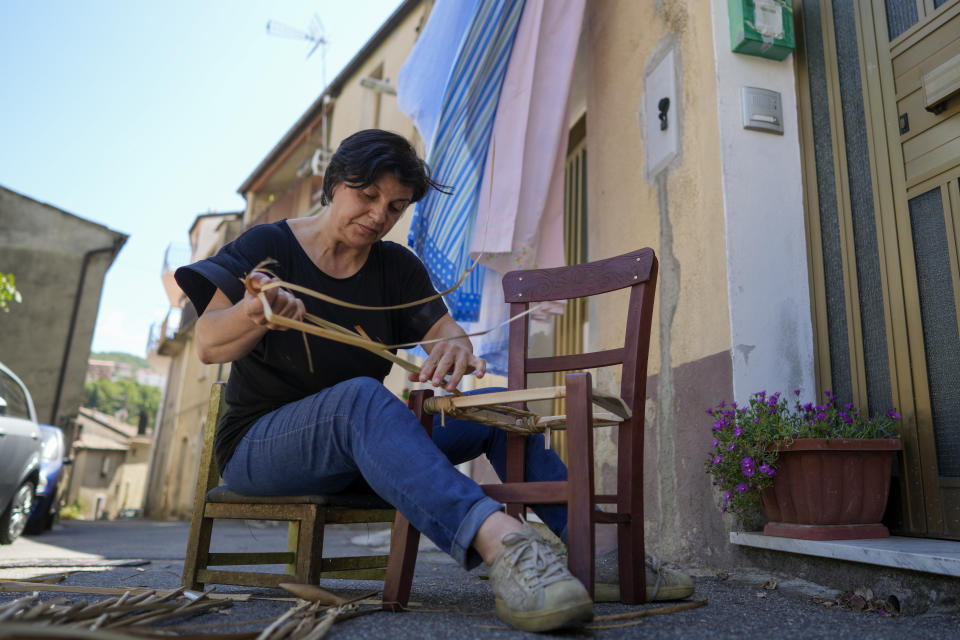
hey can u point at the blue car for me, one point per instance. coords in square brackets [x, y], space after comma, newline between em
[47, 502]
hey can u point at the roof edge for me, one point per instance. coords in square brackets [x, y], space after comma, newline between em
[117, 234]
[332, 89]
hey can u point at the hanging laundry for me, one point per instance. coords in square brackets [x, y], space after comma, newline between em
[442, 224]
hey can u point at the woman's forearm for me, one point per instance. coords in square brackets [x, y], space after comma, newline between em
[227, 331]
[225, 335]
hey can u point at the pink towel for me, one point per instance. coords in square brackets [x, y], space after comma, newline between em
[519, 222]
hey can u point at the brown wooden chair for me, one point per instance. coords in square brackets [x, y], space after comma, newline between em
[636, 271]
[306, 515]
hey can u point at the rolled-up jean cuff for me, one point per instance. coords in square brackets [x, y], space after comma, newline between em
[462, 550]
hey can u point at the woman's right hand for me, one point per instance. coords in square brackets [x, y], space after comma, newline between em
[282, 302]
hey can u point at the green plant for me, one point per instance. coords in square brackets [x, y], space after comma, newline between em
[747, 441]
[72, 511]
[8, 291]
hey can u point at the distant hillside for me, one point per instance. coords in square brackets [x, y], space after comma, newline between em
[136, 362]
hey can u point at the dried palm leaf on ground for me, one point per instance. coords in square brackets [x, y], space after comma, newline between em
[28, 630]
[15, 586]
[129, 610]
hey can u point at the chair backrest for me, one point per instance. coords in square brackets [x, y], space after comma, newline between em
[636, 270]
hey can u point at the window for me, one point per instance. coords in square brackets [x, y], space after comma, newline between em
[13, 398]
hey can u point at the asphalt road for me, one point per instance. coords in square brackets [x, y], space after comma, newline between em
[447, 602]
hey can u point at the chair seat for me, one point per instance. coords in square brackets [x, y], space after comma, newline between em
[224, 495]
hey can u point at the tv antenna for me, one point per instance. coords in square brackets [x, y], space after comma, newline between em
[316, 35]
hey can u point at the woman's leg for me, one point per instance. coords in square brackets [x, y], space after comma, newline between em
[327, 441]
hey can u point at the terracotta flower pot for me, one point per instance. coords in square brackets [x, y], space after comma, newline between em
[830, 489]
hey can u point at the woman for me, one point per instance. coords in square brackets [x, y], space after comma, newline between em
[320, 423]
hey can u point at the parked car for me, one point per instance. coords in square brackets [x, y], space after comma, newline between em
[20, 446]
[52, 463]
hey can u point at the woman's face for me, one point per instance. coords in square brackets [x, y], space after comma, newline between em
[363, 216]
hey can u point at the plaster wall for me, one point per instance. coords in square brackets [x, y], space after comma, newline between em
[353, 110]
[88, 481]
[44, 248]
[206, 237]
[682, 219]
[768, 287]
[161, 455]
[174, 473]
[623, 207]
[354, 107]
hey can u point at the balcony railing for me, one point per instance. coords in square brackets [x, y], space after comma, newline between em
[175, 256]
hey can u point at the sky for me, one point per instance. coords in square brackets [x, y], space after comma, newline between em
[141, 115]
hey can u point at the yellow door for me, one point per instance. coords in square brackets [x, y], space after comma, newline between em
[880, 89]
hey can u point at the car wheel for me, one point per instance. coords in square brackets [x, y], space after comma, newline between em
[38, 524]
[14, 519]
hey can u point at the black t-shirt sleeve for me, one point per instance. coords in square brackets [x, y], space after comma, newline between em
[414, 284]
[225, 270]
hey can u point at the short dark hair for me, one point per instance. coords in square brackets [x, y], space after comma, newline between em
[366, 155]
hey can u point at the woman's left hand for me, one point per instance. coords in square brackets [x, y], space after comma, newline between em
[453, 357]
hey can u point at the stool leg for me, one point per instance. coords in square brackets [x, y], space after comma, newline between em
[198, 552]
[310, 546]
[293, 544]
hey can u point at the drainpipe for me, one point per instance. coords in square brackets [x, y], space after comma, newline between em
[113, 249]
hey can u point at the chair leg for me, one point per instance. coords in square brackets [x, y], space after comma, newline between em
[404, 544]
[580, 540]
[633, 580]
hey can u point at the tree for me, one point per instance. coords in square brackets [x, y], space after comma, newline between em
[110, 396]
[8, 291]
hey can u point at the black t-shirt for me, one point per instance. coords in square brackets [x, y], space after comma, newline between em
[276, 371]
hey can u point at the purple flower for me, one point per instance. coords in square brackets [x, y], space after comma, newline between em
[747, 465]
[767, 469]
[716, 459]
[893, 415]
[731, 446]
[715, 442]
[796, 392]
[742, 487]
[737, 431]
[756, 420]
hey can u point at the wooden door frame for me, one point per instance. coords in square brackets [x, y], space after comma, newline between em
[922, 509]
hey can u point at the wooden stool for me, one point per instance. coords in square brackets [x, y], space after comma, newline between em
[307, 515]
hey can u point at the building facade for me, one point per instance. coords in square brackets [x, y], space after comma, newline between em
[60, 261]
[817, 251]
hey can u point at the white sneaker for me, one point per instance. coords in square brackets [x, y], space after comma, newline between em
[534, 590]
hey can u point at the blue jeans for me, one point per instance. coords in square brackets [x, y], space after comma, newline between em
[357, 430]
